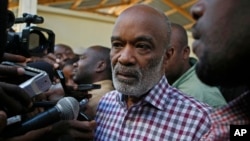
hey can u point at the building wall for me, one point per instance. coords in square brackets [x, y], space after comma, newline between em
[80, 29]
[77, 29]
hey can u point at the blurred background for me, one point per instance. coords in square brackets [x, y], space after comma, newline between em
[82, 23]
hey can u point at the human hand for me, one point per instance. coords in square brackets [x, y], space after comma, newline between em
[13, 99]
[73, 129]
[83, 130]
[12, 70]
[55, 92]
[14, 58]
[49, 58]
[10, 73]
[3, 120]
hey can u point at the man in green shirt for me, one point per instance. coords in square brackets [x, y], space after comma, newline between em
[181, 74]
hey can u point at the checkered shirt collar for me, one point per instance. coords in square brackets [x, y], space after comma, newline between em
[154, 97]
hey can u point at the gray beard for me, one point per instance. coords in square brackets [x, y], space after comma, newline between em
[145, 78]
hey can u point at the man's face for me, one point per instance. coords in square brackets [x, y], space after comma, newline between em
[60, 52]
[176, 63]
[137, 55]
[222, 40]
[68, 74]
[84, 68]
[63, 53]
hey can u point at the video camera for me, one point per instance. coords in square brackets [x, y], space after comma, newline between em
[33, 40]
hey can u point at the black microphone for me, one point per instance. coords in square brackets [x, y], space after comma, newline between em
[67, 108]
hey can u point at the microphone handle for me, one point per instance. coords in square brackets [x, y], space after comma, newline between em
[42, 120]
[39, 121]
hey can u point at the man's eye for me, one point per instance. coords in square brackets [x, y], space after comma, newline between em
[116, 44]
[143, 46]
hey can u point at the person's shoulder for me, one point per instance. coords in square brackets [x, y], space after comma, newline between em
[187, 101]
[195, 86]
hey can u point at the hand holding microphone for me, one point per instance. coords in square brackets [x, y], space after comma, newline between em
[66, 108]
[13, 100]
[73, 129]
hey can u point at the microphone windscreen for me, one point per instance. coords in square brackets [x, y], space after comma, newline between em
[66, 108]
[69, 108]
[42, 65]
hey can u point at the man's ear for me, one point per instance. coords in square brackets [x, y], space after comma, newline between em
[186, 52]
[168, 54]
[100, 66]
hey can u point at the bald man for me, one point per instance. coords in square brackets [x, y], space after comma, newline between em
[143, 105]
[180, 70]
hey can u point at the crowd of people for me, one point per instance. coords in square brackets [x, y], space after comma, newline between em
[145, 86]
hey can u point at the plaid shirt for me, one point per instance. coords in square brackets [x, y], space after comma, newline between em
[236, 112]
[164, 113]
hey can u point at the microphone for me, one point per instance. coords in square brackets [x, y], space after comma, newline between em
[49, 104]
[67, 108]
[82, 104]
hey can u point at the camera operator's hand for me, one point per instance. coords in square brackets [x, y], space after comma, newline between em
[6, 71]
[49, 58]
[14, 58]
[13, 99]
